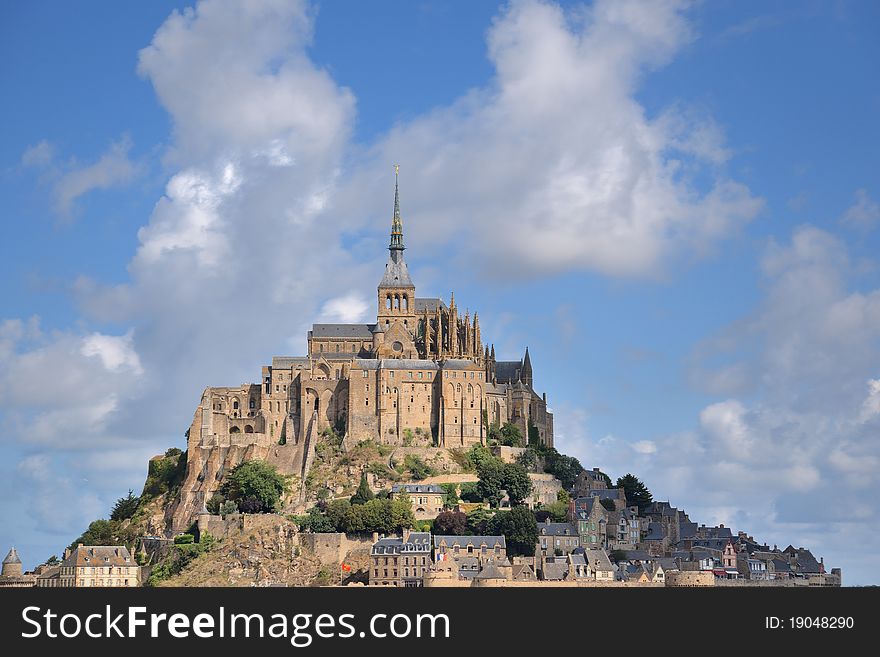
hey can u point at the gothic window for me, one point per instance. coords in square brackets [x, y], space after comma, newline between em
[458, 387]
[235, 403]
[396, 302]
[337, 349]
[388, 302]
[405, 303]
[322, 347]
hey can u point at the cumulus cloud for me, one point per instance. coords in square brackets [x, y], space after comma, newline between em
[39, 155]
[799, 442]
[555, 165]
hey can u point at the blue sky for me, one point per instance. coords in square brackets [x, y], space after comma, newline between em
[675, 206]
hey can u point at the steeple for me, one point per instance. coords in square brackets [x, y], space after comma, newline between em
[527, 369]
[396, 272]
[396, 221]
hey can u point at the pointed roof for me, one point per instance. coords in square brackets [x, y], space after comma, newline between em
[12, 557]
[396, 272]
[396, 221]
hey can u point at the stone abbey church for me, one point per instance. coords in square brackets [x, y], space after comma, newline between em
[419, 374]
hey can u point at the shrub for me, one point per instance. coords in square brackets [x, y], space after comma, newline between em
[255, 480]
[184, 539]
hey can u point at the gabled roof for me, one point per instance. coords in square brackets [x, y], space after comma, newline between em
[100, 555]
[507, 371]
[598, 560]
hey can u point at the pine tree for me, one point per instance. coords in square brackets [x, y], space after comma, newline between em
[363, 493]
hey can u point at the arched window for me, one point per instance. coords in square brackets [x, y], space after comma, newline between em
[405, 302]
[388, 302]
[396, 302]
[234, 430]
[235, 404]
[252, 403]
[248, 428]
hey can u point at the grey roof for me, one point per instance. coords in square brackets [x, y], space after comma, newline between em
[554, 570]
[583, 506]
[396, 272]
[286, 362]
[430, 303]
[557, 529]
[490, 571]
[407, 364]
[363, 331]
[637, 555]
[459, 364]
[416, 542]
[366, 363]
[507, 371]
[655, 532]
[667, 563]
[687, 530]
[417, 488]
[577, 559]
[609, 494]
[12, 557]
[598, 560]
[476, 541]
[467, 563]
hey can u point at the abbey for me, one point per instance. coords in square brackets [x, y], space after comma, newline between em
[419, 374]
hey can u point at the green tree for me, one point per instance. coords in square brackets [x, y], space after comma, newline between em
[529, 460]
[516, 483]
[564, 468]
[99, 532]
[213, 505]
[450, 523]
[511, 435]
[125, 507]
[608, 504]
[563, 496]
[255, 480]
[637, 494]
[558, 511]
[478, 521]
[451, 491]
[417, 467]
[491, 474]
[476, 455]
[229, 507]
[363, 493]
[520, 530]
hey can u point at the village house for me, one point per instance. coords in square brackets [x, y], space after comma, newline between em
[400, 561]
[482, 547]
[591, 520]
[427, 499]
[98, 565]
[556, 538]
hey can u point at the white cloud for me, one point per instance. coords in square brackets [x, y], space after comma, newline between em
[863, 214]
[115, 352]
[555, 165]
[346, 309]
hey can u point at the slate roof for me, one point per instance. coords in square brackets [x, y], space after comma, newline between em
[286, 362]
[416, 542]
[362, 331]
[12, 557]
[430, 303]
[490, 571]
[476, 541]
[655, 532]
[459, 364]
[687, 530]
[417, 488]
[598, 560]
[100, 555]
[396, 272]
[407, 364]
[557, 529]
[554, 571]
[637, 555]
[506, 371]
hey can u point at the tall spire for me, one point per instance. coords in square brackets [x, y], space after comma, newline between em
[396, 221]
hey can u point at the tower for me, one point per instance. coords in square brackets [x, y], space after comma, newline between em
[396, 316]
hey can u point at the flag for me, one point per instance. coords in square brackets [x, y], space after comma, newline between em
[346, 568]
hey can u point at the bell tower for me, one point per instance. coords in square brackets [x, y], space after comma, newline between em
[396, 297]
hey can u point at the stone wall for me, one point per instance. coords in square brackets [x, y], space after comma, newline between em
[690, 578]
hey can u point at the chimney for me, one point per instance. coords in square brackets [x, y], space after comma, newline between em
[405, 535]
[375, 537]
[66, 553]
